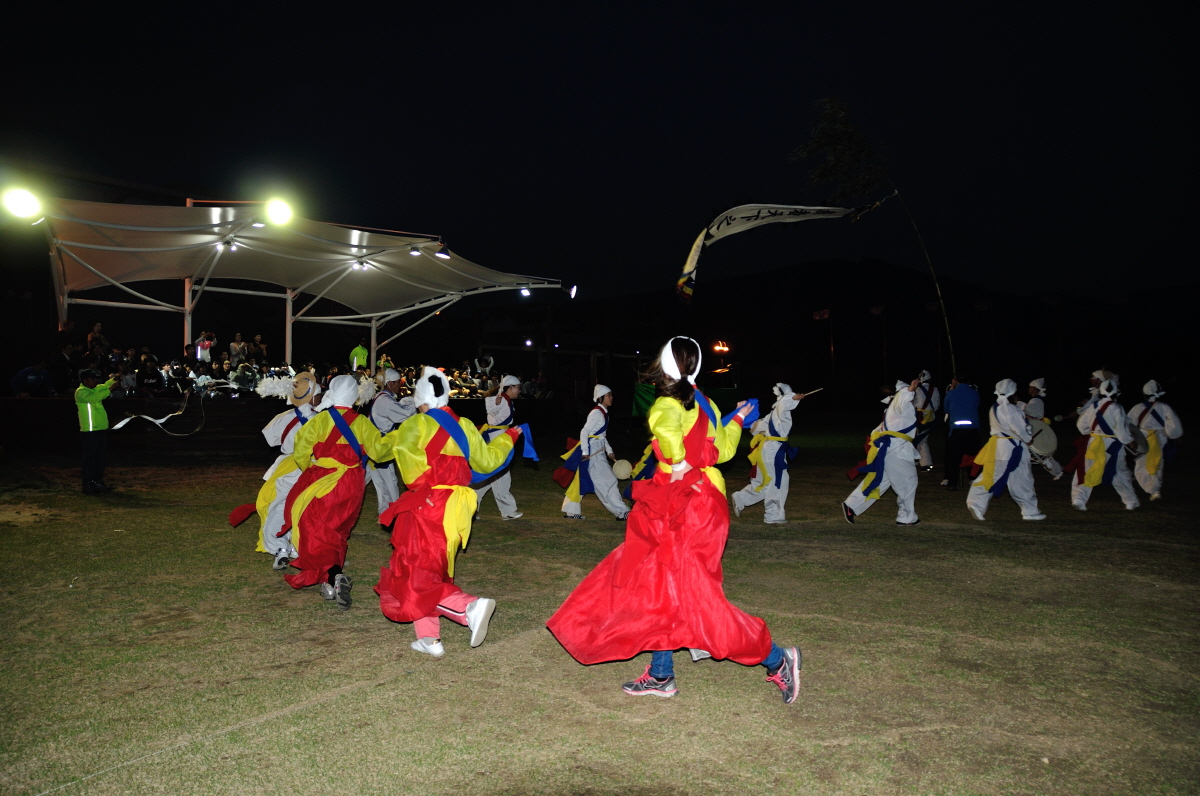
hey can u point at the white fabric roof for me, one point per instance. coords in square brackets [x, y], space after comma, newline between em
[130, 243]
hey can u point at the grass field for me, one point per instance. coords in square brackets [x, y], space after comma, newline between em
[147, 649]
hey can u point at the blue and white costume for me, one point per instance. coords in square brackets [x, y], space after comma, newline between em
[387, 412]
[891, 441]
[769, 485]
[1005, 459]
[593, 443]
[927, 400]
[500, 414]
[1162, 426]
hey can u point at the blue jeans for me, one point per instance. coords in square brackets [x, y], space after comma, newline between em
[662, 663]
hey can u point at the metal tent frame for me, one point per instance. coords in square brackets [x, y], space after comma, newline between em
[398, 273]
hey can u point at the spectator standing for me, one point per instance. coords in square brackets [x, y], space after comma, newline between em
[95, 337]
[237, 349]
[359, 356]
[204, 346]
[256, 350]
[93, 429]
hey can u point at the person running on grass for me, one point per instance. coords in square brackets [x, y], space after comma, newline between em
[661, 590]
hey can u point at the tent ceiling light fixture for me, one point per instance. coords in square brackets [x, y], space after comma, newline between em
[278, 211]
[258, 224]
[528, 342]
[442, 252]
[525, 291]
[414, 250]
[571, 292]
[21, 203]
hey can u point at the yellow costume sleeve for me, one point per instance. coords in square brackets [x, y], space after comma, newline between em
[485, 456]
[727, 437]
[373, 443]
[308, 435]
[666, 421]
[407, 445]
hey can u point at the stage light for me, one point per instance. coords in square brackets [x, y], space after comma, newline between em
[414, 250]
[21, 203]
[442, 253]
[556, 345]
[356, 266]
[571, 292]
[528, 342]
[278, 211]
[524, 291]
[258, 224]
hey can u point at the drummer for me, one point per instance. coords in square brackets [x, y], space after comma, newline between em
[1035, 413]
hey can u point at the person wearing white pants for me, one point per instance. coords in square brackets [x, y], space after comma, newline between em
[1105, 422]
[1035, 412]
[283, 474]
[593, 442]
[1160, 424]
[500, 415]
[768, 452]
[388, 411]
[1005, 459]
[926, 401]
[891, 461]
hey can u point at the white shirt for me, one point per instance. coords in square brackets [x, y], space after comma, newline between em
[927, 397]
[278, 433]
[781, 415]
[899, 415]
[500, 411]
[1147, 422]
[597, 419]
[1035, 407]
[388, 411]
[1007, 420]
[1114, 415]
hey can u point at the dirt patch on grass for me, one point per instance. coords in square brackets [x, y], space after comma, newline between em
[26, 513]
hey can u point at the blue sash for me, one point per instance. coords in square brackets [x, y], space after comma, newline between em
[460, 439]
[783, 454]
[883, 442]
[299, 415]
[1014, 461]
[1153, 413]
[1113, 448]
[341, 425]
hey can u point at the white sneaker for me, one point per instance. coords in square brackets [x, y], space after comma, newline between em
[1035, 517]
[516, 516]
[1156, 496]
[479, 613]
[1055, 478]
[1080, 506]
[429, 646]
[945, 482]
[737, 508]
[775, 522]
[976, 513]
[281, 561]
[328, 592]
[1131, 506]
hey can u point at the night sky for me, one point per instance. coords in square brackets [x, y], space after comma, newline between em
[592, 145]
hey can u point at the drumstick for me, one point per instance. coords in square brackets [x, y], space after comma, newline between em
[810, 393]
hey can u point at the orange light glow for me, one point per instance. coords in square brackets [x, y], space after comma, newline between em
[721, 347]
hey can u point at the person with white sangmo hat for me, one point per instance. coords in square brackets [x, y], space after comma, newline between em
[1005, 459]
[596, 454]
[891, 460]
[1106, 423]
[387, 412]
[500, 413]
[1161, 425]
[1035, 412]
[926, 401]
[769, 453]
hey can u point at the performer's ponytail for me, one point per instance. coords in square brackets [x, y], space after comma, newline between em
[687, 357]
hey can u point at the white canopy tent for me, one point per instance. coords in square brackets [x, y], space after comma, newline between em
[379, 276]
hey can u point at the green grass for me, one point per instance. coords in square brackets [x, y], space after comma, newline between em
[148, 648]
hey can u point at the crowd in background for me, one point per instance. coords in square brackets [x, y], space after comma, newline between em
[216, 370]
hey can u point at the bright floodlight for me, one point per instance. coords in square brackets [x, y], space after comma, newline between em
[278, 211]
[21, 203]
[442, 252]
[414, 250]
[528, 342]
[524, 291]
[571, 292]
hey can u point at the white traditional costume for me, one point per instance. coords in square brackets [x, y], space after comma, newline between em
[891, 461]
[770, 455]
[1160, 424]
[927, 400]
[500, 413]
[1104, 420]
[594, 452]
[283, 474]
[387, 412]
[1005, 459]
[1035, 412]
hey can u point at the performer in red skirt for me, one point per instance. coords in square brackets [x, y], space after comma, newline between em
[323, 506]
[662, 589]
[436, 452]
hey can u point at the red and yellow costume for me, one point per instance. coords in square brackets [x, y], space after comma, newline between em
[433, 518]
[323, 506]
[662, 588]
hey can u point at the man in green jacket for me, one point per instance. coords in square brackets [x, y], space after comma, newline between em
[93, 428]
[359, 357]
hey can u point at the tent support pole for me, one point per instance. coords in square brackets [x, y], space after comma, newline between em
[427, 317]
[374, 346]
[187, 310]
[287, 329]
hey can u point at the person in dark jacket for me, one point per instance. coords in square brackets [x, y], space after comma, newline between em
[962, 424]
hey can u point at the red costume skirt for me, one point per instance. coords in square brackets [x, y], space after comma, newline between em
[661, 589]
[415, 580]
[325, 525]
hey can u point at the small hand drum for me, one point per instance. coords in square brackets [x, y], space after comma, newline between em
[622, 469]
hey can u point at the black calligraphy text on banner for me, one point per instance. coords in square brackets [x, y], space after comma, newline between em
[742, 218]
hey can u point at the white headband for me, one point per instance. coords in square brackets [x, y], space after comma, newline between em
[1005, 388]
[671, 367]
[1040, 384]
[925, 376]
[343, 391]
[599, 392]
[509, 381]
[1152, 388]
